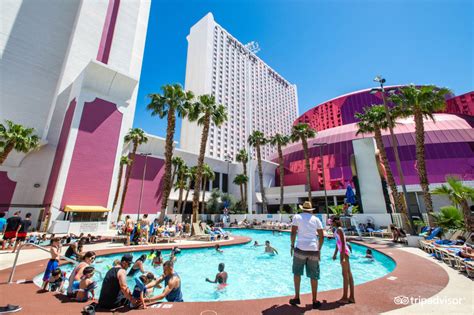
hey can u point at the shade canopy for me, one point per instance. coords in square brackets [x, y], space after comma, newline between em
[85, 209]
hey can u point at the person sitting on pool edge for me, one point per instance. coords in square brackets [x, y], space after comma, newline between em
[115, 292]
[221, 276]
[172, 291]
[269, 249]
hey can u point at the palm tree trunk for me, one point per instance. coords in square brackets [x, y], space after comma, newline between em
[307, 166]
[3, 156]
[421, 165]
[282, 170]
[127, 179]
[180, 200]
[185, 201]
[466, 214]
[260, 177]
[168, 156]
[244, 166]
[399, 204]
[119, 183]
[204, 182]
[202, 150]
[242, 193]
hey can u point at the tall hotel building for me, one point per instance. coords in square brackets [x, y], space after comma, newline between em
[256, 96]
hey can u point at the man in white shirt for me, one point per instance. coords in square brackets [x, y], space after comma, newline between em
[308, 230]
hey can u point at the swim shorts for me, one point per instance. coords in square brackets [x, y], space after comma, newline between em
[52, 265]
[308, 259]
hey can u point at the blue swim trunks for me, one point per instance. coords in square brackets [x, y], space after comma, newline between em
[52, 265]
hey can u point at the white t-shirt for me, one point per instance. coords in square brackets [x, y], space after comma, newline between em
[307, 237]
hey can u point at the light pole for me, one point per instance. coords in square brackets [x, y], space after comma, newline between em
[320, 145]
[141, 189]
[394, 144]
[228, 159]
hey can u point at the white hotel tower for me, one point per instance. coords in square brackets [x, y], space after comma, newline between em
[256, 96]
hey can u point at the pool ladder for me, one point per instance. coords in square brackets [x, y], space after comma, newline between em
[10, 279]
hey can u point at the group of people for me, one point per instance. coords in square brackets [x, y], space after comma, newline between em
[14, 229]
[115, 291]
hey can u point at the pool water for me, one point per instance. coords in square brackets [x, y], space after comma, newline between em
[253, 274]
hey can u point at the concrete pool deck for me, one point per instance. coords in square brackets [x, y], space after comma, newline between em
[415, 276]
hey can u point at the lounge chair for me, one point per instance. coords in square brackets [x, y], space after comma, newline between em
[382, 232]
[199, 234]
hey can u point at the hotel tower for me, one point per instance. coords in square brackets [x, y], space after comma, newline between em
[256, 96]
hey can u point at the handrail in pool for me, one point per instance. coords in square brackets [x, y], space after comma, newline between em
[10, 279]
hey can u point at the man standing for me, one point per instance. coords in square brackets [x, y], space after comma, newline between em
[13, 225]
[23, 231]
[115, 292]
[308, 229]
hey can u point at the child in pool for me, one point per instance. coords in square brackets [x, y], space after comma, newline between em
[86, 286]
[56, 281]
[140, 290]
[218, 248]
[368, 254]
[157, 259]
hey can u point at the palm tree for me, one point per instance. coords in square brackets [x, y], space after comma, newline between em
[256, 140]
[279, 141]
[174, 100]
[243, 157]
[204, 111]
[16, 137]
[124, 160]
[207, 175]
[190, 177]
[303, 132]
[135, 136]
[241, 180]
[181, 183]
[374, 120]
[459, 195]
[421, 102]
[177, 162]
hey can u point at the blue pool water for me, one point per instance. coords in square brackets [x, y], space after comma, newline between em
[253, 274]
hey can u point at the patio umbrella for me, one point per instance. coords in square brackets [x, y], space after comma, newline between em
[350, 195]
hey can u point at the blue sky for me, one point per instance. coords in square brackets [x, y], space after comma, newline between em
[327, 48]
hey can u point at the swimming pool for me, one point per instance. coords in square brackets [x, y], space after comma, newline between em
[253, 274]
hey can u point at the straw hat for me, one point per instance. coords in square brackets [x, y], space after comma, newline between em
[307, 206]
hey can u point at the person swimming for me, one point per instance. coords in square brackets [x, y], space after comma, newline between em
[368, 254]
[157, 259]
[269, 249]
[256, 244]
[221, 277]
[218, 248]
[137, 266]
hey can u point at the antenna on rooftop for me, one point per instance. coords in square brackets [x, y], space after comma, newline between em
[253, 47]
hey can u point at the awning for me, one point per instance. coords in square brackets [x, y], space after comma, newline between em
[85, 209]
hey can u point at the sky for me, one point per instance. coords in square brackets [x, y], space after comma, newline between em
[326, 47]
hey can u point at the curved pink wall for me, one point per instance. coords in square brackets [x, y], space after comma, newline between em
[7, 188]
[152, 186]
[58, 157]
[92, 165]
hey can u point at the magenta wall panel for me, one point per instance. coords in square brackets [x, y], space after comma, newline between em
[92, 164]
[152, 185]
[58, 157]
[108, 31]
[7, 188]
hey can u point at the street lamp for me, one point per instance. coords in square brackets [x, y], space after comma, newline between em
[394, 144]
[320, 145]
[228, 159]
[143, 180]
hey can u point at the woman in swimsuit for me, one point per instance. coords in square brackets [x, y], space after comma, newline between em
[137, 266]
[344, 253]
[78, 272]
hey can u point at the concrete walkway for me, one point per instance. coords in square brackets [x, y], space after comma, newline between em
[456, 298]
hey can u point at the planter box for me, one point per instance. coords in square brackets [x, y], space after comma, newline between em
[414, 240]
